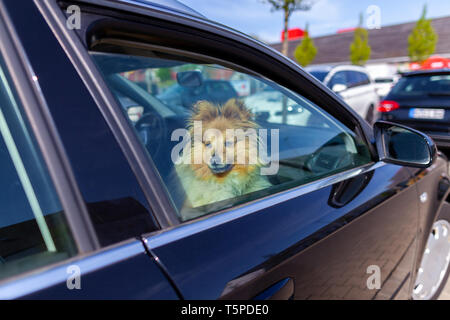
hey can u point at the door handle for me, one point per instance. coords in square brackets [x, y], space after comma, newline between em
[282, 290]
[344, 192]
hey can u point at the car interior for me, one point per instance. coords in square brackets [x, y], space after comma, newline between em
[300, 161]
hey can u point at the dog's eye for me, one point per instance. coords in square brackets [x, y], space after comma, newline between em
[208, 144]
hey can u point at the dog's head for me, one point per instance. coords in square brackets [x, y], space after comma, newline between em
[228, 140]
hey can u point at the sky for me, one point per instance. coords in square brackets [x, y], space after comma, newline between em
[254, 17]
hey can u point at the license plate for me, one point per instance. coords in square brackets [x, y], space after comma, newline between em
[418, 113]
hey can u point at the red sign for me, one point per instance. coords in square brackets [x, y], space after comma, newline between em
[293, 34]
[434, 62]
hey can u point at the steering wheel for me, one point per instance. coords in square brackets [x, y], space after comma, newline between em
[328, 159]
[333, 155]
[152, 130]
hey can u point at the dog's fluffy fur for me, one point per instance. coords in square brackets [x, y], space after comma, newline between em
[202, 184]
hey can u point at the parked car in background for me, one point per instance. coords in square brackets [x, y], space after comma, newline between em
[242, 87]
[265, 105]
[384, 76]
[216, 91]
[353, 84]
[385, 84]
[90, 190]
[421, 100]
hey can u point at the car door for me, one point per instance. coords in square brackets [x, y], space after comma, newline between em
[315, 241]
[321, 230]
[331, 221]
[323, 240]
[59, 238]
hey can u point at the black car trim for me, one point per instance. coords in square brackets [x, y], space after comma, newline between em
[186, 11]
[429, 72]
[140, 163]
[177, 52]
[47, 137]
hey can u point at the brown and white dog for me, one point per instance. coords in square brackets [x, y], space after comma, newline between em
[227, 168]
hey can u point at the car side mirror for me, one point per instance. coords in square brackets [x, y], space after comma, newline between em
[398, 144]
[190, 79]
[339, 87]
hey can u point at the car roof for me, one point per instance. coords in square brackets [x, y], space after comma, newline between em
[172, 5]
[426, 72]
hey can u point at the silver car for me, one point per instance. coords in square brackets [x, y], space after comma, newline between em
[353, 84]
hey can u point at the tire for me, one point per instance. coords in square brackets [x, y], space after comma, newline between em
[440, 266]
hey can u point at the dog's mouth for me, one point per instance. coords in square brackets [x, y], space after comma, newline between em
[220, 168]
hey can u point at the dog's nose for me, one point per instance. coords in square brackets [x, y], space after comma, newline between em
[216, 160]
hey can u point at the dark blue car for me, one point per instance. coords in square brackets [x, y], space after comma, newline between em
[421, 100]
[92, 204]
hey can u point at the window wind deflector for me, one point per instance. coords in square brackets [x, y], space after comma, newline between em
[142, 49]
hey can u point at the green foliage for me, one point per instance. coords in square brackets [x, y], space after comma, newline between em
[290, 6]
[306, 51]
[359, 48]
[422, 40]
[163, 74]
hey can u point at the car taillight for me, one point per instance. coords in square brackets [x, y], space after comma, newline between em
[387, 106]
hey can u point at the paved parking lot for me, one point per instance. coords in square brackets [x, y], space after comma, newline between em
[445, 295]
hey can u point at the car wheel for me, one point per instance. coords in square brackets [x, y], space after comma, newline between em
[370, 115]
[434, 268]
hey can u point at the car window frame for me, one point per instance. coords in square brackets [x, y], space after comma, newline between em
[40, 125]
[72, 41]
[142, 167]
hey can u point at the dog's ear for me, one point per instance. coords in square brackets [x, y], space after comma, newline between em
[235, 109]
[204, 111]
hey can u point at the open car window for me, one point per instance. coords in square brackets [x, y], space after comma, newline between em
[220, 137]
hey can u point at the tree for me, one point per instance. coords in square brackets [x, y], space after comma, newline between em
[163, 74]
[288, 7]
[306, 51]
[422, 40]
[359, 48]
